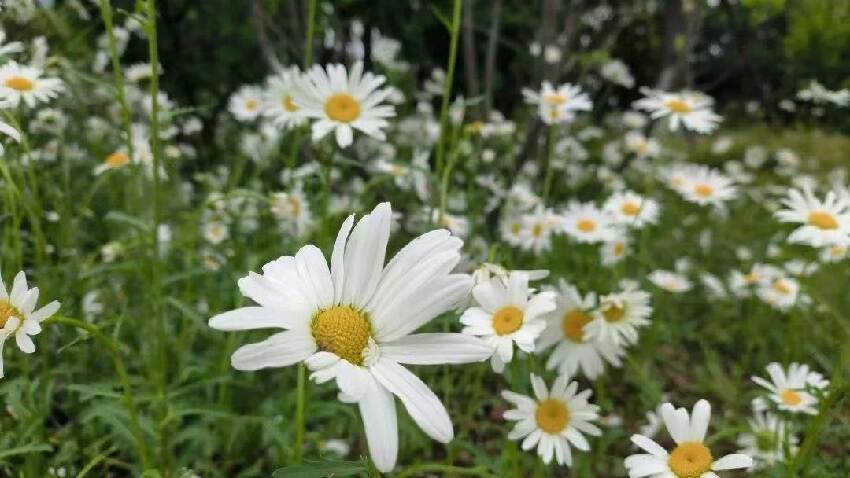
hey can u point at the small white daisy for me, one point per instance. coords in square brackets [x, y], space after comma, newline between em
[690, 109]
[278, 99]
[554, 421]
[342, 101]
[566, 328]
[585, 222]
[619, 316]
[632, 210]
[707, 186]
[779, 292]
[691, 458]
[640, 145]
[18, 315]
[247, 103]
[789, 390]
[558, 105]
[766, 440]
[670, 281]
[822, 222]
[21, 83]
[507, 313]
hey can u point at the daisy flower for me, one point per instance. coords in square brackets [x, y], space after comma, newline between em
[619, 316]
[631, 209]
[278, 99]
[507, 313]
[21, 83]
[707, 186]
[690, 109]
[640, 145]
[536, 229]
[566, 328]
[18, 316]
[766, 440]
[342, 101]
[788, 390]
[247, 103]
[554, 421]
[558, 104]
[691, 458]
[584, 222]
[115, 160]
[670, 281]
[353, 322]
[292, 210]
[835, 252]
[780, 292]
[614, 251]
[822, 222]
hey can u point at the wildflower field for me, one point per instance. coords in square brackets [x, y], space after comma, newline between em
[451, 238]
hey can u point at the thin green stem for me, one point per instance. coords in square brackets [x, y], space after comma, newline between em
[311, 28]
[447, 87]
[300, 400]
[121, 371]
[118, 74]
[550, 148]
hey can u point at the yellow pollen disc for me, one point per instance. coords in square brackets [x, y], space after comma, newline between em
[630, 208]
[782, 287]
[619, 249]
[507, 320]
[791, 397]
[837, 251]
[20, 83]
[690, 460]
[552, 415]
[515, 228]
[475, 127]
[677, 181]
[823, 220]
[7, 311]
[296, 206]
[678, 106]
[116, 160]
[704, 190]
[537, 230]
[586, 225]
[612, 313]
[555, 99]
[342, 330]
[573, 324]
[342, 107]
[251, 105]
[289, 105]
[751, 278]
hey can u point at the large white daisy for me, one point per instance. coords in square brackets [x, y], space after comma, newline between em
[353, 322]
[18, 316]
[691, 458]
[554, 420]
[507, 313]
[342, 101]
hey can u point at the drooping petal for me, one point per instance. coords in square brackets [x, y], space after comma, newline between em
[379, 420]
[732, 462]
[436, 348]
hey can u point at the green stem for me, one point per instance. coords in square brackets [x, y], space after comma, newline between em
[300, 399]
[120, 369]
[447, 87]
[118, 75]
[311, 28]
[550, 147]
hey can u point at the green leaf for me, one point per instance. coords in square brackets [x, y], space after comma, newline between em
[23, 450]
[322, 469]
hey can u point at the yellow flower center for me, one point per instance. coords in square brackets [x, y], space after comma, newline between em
[552, 416]
[7, 311]
[791, 397]
[751, 278]
[613, 313]
[295, 203]
[823, 220]
[252, 104]
[704, 190]
[586, 225]
[342, 330]
[837, 251]
[573, 324]
[342, 107]
[289, 105]
[507, 320]
[475, 127]
[537, 230]
[690, 460]
[116, 160]
[515, 228]
[678, 106]
[619, 249]
[555, 99]
[630, 208]
[20, 83]
[781, 286]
